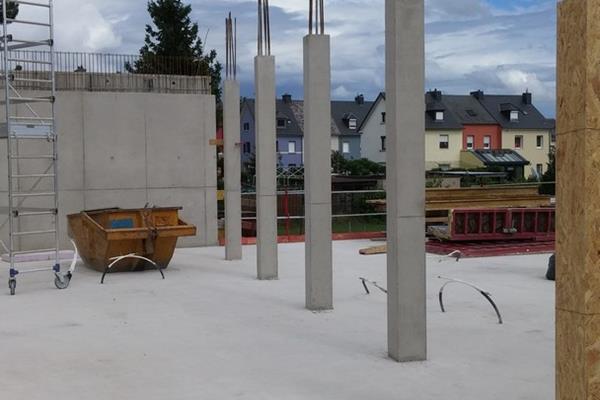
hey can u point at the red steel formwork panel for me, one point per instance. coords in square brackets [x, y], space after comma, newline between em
[502, 224]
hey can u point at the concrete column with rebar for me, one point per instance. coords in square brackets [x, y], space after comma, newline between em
[405, 127]
[317, 141]
[266, 168]
[232, 155]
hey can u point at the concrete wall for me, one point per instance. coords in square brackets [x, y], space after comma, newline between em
[129, 149]
[113, 82]
[529, 149]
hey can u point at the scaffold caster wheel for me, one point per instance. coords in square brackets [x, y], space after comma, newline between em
[62, 283]
[12, 285]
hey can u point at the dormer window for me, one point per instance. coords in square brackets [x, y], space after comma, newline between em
[514, 116]
[439, 116]
[280, 122]
[352, 124]
[350, 121]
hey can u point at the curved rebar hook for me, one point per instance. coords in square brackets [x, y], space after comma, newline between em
[75, 258]
[485, 294]
[115, 260]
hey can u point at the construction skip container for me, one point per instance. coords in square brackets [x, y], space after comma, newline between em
[104, 235]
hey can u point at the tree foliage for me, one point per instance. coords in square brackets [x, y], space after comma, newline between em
[173, 47]
[12, 10]
[550, 175]
[360, 167]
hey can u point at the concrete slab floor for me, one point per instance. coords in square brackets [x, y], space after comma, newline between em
[212, 331]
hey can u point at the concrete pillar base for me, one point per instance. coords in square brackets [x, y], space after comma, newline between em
[317, 165]
[233, 174]
[405, 82]
[266, 168]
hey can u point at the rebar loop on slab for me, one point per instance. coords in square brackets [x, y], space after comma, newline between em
[485, 294]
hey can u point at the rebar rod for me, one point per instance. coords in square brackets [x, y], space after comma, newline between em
[322, 9]
[310, 17]
[260, 25]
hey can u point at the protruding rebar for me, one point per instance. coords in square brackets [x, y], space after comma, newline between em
[316, 17]
[231, 47]
[264, 28]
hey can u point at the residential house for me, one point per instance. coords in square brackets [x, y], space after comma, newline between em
[346, 118]
[524, 128]
[443, 133]
[290, 137]
[472, 131]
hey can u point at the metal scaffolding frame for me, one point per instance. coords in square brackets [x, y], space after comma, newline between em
[30, 125]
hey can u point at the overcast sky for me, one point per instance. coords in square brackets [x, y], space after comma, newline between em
[500, 46]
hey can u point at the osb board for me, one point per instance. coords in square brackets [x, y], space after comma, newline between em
[578, 222]
[578, 80]
[369, 251]
[577, 356]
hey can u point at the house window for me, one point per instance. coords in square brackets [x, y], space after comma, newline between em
[518, 142]
[540, 169]
[352, 124]
[470, 142]
[247, 147]
[346, 147]
[540, 141]
[277, 146]
[383, 143]
[246, 126]
[335, 144]
[487, 142]
[280, 123]
[383, 118]
[291, 147]
[439, 116]
[514, 116]
[444, 141]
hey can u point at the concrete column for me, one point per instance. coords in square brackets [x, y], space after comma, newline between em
[232, 154]
[317, 167]
[405, 129]
[578, 201]
[266, 166]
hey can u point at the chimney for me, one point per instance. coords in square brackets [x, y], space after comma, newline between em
[527, 98]
[287, 98]
[360, 99]
[436, 94]
[479, 95]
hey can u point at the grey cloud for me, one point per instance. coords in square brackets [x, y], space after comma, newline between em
[469, 44]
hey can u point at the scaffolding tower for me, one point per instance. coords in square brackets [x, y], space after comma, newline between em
[31, 138]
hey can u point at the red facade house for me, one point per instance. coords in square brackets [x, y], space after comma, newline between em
[482, 137]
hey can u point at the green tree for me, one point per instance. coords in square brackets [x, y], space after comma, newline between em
[550, 175]
[172, 45]
[12, 9]
[360, 167]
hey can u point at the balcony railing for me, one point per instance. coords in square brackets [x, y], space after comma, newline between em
[108, 72]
